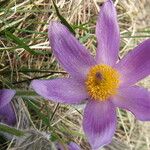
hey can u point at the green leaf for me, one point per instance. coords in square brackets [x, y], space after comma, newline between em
[21, 43]
[11, 130]
[62, 19]
[29, 31]
[9, 25]
[84, 38]
[24, 93]
[33, 106]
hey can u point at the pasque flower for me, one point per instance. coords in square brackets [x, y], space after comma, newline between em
[104, 82]
[7, 114]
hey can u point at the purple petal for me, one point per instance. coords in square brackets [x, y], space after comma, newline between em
[136, 64]
[73, 56]
[70, 146]
[99, 122]
[59, 146]
[7, 114]
[108, 36]
[5, 96]
[65, 90]
[135, 99]
[73, 146]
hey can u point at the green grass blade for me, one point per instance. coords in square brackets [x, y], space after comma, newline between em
[62, 19]
[21, 43]
[9, 25]
[11, 130]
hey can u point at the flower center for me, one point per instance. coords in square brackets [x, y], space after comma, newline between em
[102, 82]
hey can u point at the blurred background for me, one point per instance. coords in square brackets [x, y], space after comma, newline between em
[25, 54]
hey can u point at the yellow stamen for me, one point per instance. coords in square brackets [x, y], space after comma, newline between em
[102, 82]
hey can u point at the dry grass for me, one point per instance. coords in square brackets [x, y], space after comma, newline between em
[28, 20]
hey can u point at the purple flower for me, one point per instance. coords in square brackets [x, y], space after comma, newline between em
[104, 82]
[73, 146]
[7, 114]
[70, 146]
